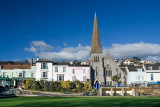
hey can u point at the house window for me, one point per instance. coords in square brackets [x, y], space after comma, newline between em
[56, 69]
[44, 66]
[20, 75]
[64, 69]
[73, 71]
[152, 77]
[73, 78]
[32, 75]
[84, 78]
[24, 74]
[150, 67]
[84, 71]
[4, 74]
[60, 77]
[44, 75]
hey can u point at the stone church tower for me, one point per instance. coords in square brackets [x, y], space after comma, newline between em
[96, 61]
[102, 69]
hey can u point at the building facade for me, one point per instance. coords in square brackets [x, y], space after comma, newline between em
[61, 71]
[10, 75]
[152, 73]
[136, 76]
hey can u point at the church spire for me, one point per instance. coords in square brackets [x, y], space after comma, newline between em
[96, 45]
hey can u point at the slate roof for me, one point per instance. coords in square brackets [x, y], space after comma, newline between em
[133, 68]
[60, 63]
[123, 69]
[154, 66]
[15, 66]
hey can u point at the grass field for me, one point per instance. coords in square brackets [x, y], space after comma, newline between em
[80, 101]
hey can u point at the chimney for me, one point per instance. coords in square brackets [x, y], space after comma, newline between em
[31, 61]
[37, 58]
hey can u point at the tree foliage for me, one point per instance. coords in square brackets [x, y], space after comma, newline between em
[66, 84]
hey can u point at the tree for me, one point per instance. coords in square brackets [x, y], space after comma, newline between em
[47, 86]
[36, 85]
[29, 84]
[57, 86]
[66, 84]
[26, 61]
[136, 59]
[87, 86]
[115, 78]
[41, 82]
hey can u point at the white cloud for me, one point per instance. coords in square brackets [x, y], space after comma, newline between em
[69, 53]
[143, 50]
[135, 49]
[153, 58]
[39, 46]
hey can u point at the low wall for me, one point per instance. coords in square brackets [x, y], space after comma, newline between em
[148, 91]
[110, 91]
[127, 91]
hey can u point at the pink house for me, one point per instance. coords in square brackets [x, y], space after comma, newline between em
[81, 73]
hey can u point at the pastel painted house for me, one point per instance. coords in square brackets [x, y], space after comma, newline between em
[10, 75]
[81, 73]
[61, 71]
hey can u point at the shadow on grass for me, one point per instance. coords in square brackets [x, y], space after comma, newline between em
[83, 101]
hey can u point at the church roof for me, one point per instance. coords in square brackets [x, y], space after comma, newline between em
[96, 44]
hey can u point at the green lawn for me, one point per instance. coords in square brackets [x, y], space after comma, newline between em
[80, 101]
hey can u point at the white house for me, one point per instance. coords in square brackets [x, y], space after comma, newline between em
[44, 70]
[136, 75]
[152, 73]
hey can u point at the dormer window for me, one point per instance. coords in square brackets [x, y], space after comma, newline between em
[150, 67]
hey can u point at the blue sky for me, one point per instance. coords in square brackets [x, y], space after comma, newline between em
[52, 27]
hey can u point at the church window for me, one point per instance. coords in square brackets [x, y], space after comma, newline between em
[106, 72]
[96, 73]
[98, 58]
[110, 73]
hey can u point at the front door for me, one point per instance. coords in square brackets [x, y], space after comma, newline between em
[97, 85]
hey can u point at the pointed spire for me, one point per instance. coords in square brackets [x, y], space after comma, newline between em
[96, 44]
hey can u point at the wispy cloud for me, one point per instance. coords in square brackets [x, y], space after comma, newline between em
[39, 46]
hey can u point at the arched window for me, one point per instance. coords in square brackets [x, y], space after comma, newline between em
[98, 58]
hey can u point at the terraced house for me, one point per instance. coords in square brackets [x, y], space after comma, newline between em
[61, 71]
[11, 74]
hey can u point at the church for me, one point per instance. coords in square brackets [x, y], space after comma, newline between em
[103, 68]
